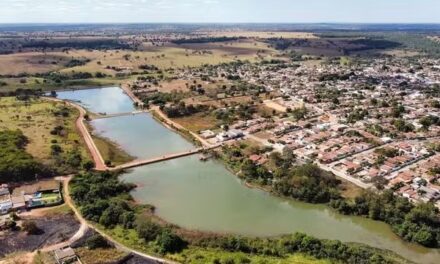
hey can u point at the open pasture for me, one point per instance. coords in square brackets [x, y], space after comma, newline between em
[36, 119]
[32, 62]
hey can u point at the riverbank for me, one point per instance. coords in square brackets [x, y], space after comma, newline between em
[81, 126]
[352, 223]
[187, 241]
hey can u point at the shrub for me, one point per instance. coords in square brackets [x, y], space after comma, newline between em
[97, 241]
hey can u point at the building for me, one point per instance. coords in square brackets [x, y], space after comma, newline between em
[206, 134]
[228, 135]
[66, 256]
[42, 193]
[5, 201]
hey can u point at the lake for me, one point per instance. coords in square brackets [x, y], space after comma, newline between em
[110, 100]
[206, 196]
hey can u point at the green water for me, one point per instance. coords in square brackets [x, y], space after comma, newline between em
[206, 196]
[141, 136]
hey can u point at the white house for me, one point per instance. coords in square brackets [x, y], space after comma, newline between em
[5, 201]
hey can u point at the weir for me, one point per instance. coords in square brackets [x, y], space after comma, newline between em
[138, 163]
[121, 114]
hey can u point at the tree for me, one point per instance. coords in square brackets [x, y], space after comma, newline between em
[97, 241]
[425, 237]
[88, 165]
[15, 163]
[168, 242]
[31, 228]
[435, 104]
[147, 230]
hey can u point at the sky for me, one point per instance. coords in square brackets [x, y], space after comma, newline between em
[216, 11]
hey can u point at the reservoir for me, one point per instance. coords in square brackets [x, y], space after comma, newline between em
[141, 136]
[206, 196]
[111, 100]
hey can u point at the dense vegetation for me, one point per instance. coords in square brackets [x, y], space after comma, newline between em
[415, 223]
[305, 182]
[98, 44]
[338, 45]
[104, 199]
[298, 243]
[16, 164]
[181, 109]
[163, 98]
[204, 40]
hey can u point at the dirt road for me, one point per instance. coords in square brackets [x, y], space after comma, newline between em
[84, 222]
[178, 126]
[93, 149]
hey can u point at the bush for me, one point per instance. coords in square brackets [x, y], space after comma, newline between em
[88, 165]
[97, 241]
[168, 242]
[31, 228]
[147, 230]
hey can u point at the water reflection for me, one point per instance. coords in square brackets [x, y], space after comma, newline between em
[206, 196]
[141, 136]
[109, 100]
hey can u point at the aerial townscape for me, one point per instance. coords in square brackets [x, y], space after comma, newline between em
[262, 136]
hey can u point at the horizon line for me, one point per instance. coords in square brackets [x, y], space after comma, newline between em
[230, 23]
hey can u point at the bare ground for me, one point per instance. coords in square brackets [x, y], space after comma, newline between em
[54, 229]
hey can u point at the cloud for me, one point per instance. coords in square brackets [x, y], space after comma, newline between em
[84, 11]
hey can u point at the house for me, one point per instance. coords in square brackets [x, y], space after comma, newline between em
[65, 256]
[42, 193]
[18, 202]
[206, 134]
[231, 134]
[5, 201]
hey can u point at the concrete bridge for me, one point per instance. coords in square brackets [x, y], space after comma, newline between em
[138, 163]
[120, 114]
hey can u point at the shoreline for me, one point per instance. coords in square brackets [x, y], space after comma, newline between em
[85, 133]
[248, 185]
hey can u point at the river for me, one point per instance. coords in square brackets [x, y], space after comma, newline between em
[206, 196]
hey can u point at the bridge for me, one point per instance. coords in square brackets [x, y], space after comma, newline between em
[138, 163]
[101, 116]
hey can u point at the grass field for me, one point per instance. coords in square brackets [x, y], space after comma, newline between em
[174, 85]
[112, 152]
[13, 84]
[99, 256]
[31, 62]
[36, 119]
[201, 256]
[197, 122]
[163, 57]
[196, 255]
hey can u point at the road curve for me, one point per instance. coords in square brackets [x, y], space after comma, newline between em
[118, 245]
[83, 224]
[93, 149]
